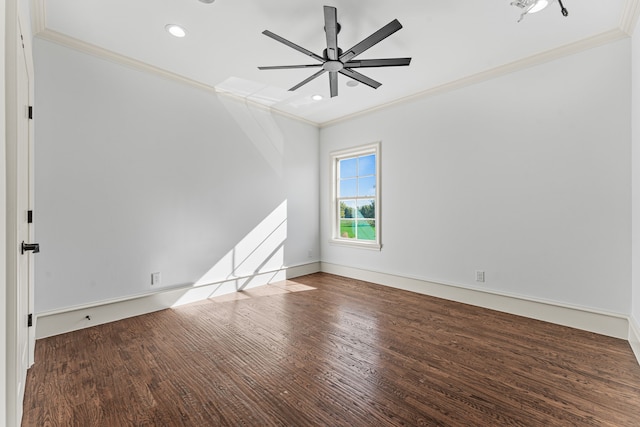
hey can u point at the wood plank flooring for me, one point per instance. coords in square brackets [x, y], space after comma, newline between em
[328, 351]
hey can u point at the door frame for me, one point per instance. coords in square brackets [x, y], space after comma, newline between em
[11, 394]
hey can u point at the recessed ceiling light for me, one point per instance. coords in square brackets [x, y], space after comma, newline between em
[317, 97]
[175, 30]
[207, 1]
[352, 83]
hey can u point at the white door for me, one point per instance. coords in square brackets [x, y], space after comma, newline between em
[28, 187]
[19, 294]
[24, 292]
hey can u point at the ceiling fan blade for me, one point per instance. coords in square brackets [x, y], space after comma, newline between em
[360, 77]
[285, 67]
[331, 30]
[387, 62]
[373, 39]
[292, 45]
[333, 83]
[307, 80]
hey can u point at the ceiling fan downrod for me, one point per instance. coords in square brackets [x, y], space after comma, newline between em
[563, 9]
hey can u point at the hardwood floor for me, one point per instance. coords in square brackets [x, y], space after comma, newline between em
[328, 351]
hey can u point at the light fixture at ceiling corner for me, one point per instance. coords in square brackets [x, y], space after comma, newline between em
[533, 6]
[175, 30]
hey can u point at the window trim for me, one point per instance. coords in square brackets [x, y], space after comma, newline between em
[334, 158]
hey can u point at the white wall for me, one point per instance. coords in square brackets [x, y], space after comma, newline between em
[3, 236]
[635, 126]
[526, 176]
[138, 174]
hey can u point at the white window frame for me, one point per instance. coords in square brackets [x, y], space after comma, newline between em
[335, 158]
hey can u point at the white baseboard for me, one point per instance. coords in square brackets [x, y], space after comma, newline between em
[302, 270]
[72, 319]
[634, 337]
[613, 325]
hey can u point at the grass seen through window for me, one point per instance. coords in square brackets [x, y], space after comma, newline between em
[356, 196]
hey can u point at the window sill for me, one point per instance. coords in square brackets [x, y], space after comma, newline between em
[356, 244]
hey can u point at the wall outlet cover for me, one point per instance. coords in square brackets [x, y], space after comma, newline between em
[155, 279]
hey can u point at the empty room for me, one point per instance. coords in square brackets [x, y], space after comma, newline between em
[223, 213]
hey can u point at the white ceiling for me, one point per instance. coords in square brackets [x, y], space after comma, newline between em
[452, 43]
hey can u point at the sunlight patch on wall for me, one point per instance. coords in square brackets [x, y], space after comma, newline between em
[257, 259]
[259, 251]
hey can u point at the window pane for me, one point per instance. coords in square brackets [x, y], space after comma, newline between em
[356, 196]
[366, 209]
[348, 168]
[367, 165]
[347, 229]
[367, 186]
[348, 187]
[348, 209]
[366, 230]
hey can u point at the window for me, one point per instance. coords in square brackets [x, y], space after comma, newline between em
[356, 196]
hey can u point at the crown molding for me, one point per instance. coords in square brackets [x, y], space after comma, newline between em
[38, 17]
[73, 43]
[540, 58]
[254, 104]
[628, 20]
[630, 15]
[530, 61]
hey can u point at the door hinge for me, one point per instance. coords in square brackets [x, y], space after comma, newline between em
[30, 217]
[30, 320]
[31, 112]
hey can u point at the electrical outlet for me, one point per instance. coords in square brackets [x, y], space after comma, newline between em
[155, 279]
[479, 276]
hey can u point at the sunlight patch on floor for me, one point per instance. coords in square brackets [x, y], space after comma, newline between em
[279, 288]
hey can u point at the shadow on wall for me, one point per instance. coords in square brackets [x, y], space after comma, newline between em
[256, 260]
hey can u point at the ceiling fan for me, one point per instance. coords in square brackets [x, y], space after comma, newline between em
[335, 61]
[534, 6]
